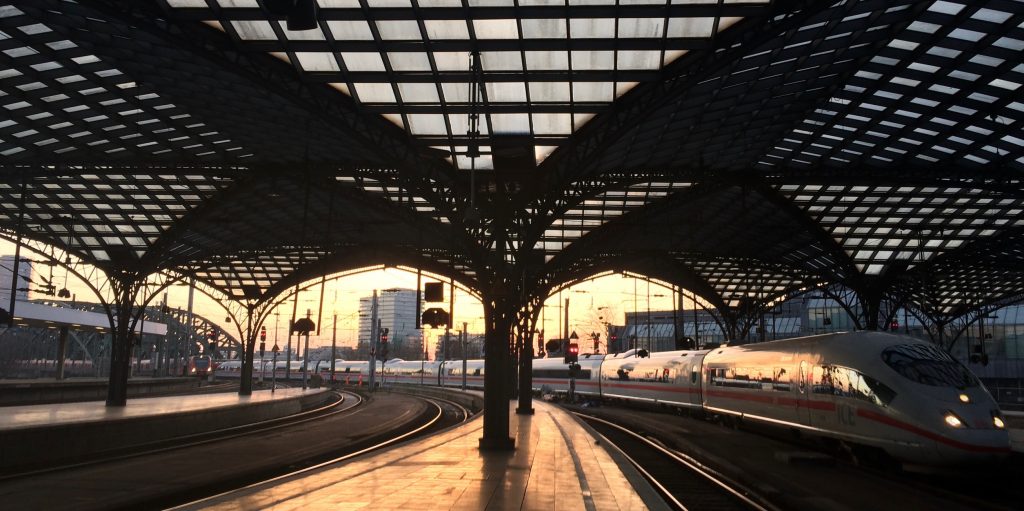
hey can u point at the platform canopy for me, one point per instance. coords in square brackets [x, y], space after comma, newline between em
[745, 150]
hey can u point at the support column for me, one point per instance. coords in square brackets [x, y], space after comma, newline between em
[871, 304]
[526, 362]
[121, 343]
[526, 376]
[499, 318]
[62, 350]
[249, 344]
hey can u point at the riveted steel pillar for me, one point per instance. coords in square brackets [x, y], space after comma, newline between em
[499, 317]
[121, 343]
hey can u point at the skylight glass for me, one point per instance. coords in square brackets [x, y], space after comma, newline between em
[555, 55]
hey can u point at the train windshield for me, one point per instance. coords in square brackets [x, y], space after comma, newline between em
[929, 365]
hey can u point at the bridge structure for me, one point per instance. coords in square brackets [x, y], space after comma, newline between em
[747, 151]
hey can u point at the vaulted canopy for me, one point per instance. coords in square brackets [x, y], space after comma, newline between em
[745, 149]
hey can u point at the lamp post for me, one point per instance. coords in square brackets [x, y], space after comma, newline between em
[304, 326]
[273, 374]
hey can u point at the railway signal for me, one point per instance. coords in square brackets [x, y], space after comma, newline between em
[572, 353]
[383, 343]
[263, 341]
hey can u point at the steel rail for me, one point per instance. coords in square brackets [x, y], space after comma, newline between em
[437, 417]
[731, 487]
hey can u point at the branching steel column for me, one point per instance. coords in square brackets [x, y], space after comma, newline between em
[257, 310]
[124, 288]
[527, 322]
[500, 313]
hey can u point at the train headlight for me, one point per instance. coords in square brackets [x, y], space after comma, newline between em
[964, 398]
[997, 421]
[953, 421]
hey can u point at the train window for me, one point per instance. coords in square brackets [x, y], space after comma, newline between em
[694, 376]
[780, 379]
[928, 365]
[739, 377]
[846, 382]
[821, 380]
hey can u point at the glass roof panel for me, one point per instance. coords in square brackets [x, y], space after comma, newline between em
[409, 61]
[592, 91]
[375, 92]
[602, 28]
[353, 30]
[495, 29]
[452, 60]
[363, 61]
[583, 60]
[552, 124]
[446, 29]
[505, 92]
[399, 30]
[547, 60]
[546, 28]
[639, 59]
[317, 61]
[418, 92]
[501, 60]
[690, 27]
[255, 30]
[549, 92]
[942, 78]
[642, 27]
[427, 124]
[562, 57]
[510, 123]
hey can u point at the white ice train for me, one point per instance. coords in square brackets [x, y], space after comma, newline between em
[899, 394]
[895, 393]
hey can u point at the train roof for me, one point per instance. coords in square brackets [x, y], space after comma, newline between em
[840, 345]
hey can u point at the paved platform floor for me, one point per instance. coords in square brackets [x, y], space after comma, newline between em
[557, 465]
[31, 416]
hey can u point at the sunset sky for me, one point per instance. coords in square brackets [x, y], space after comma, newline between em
[603, 299]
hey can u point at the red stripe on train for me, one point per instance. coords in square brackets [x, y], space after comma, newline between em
[774, 400]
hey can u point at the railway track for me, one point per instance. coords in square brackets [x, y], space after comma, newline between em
[684, 482]
[436, 419]
[181, 475]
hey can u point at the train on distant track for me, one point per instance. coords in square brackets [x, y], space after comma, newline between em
[898, 394]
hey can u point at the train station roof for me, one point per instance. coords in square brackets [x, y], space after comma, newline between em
[742, 149]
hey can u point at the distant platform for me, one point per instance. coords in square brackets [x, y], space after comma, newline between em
[41, 436]
[35, 416]
[37, 391]
[558, 464]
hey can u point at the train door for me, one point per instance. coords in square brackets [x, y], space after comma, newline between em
[803, 389]
[694, 383]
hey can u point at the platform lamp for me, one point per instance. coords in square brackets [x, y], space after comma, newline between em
[303, 326]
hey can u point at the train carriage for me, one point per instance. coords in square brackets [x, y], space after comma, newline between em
[553, 373]
[671, 377]
[899, 394]
[451, 373]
